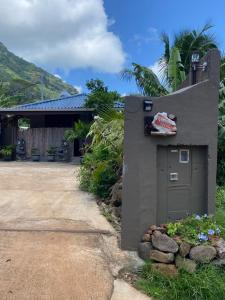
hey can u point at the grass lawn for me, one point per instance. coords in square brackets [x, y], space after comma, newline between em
[208, 283]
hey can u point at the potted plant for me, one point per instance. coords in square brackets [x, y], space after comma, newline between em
[51, 153]
[7, 152]
[35, 154]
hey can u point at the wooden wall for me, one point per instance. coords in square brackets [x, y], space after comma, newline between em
[41, 138]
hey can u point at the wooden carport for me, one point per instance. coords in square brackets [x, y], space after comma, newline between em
[49, 119]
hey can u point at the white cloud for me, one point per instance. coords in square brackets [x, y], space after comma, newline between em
[156, 69]
[150, 36]
[153, 33]
[78, 88]
[58, 76]
[64, 34]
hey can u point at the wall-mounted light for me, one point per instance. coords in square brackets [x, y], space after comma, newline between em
[195, 57]
[147, 105]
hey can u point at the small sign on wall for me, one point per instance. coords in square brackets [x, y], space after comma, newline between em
[161, 124]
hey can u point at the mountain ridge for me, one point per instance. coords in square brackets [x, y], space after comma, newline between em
[21, 80]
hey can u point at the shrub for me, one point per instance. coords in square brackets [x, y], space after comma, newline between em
[7, 151]
[79, 131]
[195, 229]
[51, 150]
[102, 162]
[220, 197]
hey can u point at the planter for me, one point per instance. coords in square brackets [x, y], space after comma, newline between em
[51, 157]
[7, 158]
[35, 157]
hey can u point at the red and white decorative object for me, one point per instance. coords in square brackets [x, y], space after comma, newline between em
[163, 124]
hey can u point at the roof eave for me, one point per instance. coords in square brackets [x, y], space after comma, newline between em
[45, 110]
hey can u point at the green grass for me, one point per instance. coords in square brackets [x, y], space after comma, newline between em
[208, 283]
[220, 206]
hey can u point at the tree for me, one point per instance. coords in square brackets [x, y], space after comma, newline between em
[146, 80]
[174, 63]
[178, 55]
[99, 96]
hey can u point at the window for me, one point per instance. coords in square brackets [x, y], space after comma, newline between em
[184, 156]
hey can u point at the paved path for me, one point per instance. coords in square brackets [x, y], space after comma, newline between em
[54, 244]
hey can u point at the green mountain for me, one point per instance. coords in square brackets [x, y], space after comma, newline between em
[20, 81]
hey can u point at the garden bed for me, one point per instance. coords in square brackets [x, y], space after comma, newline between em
[184, 260]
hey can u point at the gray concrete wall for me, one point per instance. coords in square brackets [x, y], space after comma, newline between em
[196, 109]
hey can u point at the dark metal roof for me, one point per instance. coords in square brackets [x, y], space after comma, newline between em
[65, 103]
[69, 103]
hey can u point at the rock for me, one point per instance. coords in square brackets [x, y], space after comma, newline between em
[161, 256]
[185, 264]
[116, 194]
[184, 249]
[144, 250]
[146, 237]
[165, 269]
[219, 262]
[117, 210]
[150, 232]
[177, 239]
[163, 225]
[161, 229]
[220, 247]
[203, 254]
[157, 233]
[164, 243]
[153, 227]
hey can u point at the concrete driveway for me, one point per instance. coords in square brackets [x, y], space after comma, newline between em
[54, 243]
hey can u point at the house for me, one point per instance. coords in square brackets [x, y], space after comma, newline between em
[48, 121]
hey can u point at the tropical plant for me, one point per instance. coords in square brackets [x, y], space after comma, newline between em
[79, 131]
[174, 63]
[102, 162]
[51, 150]
[186, 42]
[146, 80]
[7, 151]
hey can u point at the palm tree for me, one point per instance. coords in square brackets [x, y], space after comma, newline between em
[174, 63]
[178, 56]
[146, 80]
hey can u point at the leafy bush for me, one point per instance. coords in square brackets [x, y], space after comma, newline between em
[195, 229]
[221, 161]
[206, 283]
[79, 131]
[51, 150]
[102, 162]
[220, 197]
[7, 151]
[220, 208]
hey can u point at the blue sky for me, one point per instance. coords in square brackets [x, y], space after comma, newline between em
[83, 39]
[138, 25]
